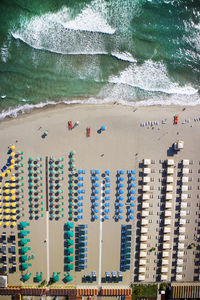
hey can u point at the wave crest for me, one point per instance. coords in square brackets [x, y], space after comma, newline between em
[151, 76]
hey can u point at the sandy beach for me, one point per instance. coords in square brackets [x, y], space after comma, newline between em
[122, 146]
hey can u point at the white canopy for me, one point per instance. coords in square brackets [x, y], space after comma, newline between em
[182, 221]
[145, 205]
[166, 237]
[182, 229]
[179, 261]
[145, 213]
[141, 277]
[179, 269]
[183, 213]
[146, 179]
[165, 254]
[184, 196]
[185, 170]
[145, 196]
[180, 253]
[166, 245]
[184, 188]
[184, 179]
[146, 188]
[164, 277]
[142, 262]
[180, 245]
[168, 196]
[170, 162]
[165, 261]
[186, 162]
[147, 171]
[147, 161]
[170, 170]
[143, 238]
[168, 213]
[144, 222]
[164, 269]
[167, 229]
[144, 229]
[181, 237]
[169, 188]
[167, 222]
[168, 205]
[142, 270]
[143, 246]
[183, 205]
[170, 179]
[143, 254]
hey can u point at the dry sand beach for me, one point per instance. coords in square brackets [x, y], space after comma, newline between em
[122, 146]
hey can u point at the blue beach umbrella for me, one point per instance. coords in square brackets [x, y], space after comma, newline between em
[133, 172]
[103, 128]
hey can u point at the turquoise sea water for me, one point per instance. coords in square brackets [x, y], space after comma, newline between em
[131, 51]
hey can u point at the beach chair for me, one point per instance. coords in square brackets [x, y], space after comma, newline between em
[70, 125]
[88, 132]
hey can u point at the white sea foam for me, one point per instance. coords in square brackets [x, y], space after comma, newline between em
[151, 76]
[159, 100]
[125, 56]
[91, 21]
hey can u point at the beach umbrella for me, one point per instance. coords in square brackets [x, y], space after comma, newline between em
[6, 184]
[11, 167]
[14, 224]
[7, 204]
[7, 224]
[12, 192]
[12, 154]
[13, 204]
[103, 128]
[12, 178]
[2, 174]
[133, 172]
[7, 217]
[121, 191]
[132, 192]
[7, 210]
[7, 198]
[7, 191]
[12, 184]
[12, 147]
[12, 161]
[13, 217]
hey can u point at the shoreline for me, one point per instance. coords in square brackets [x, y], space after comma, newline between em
[27, 110]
